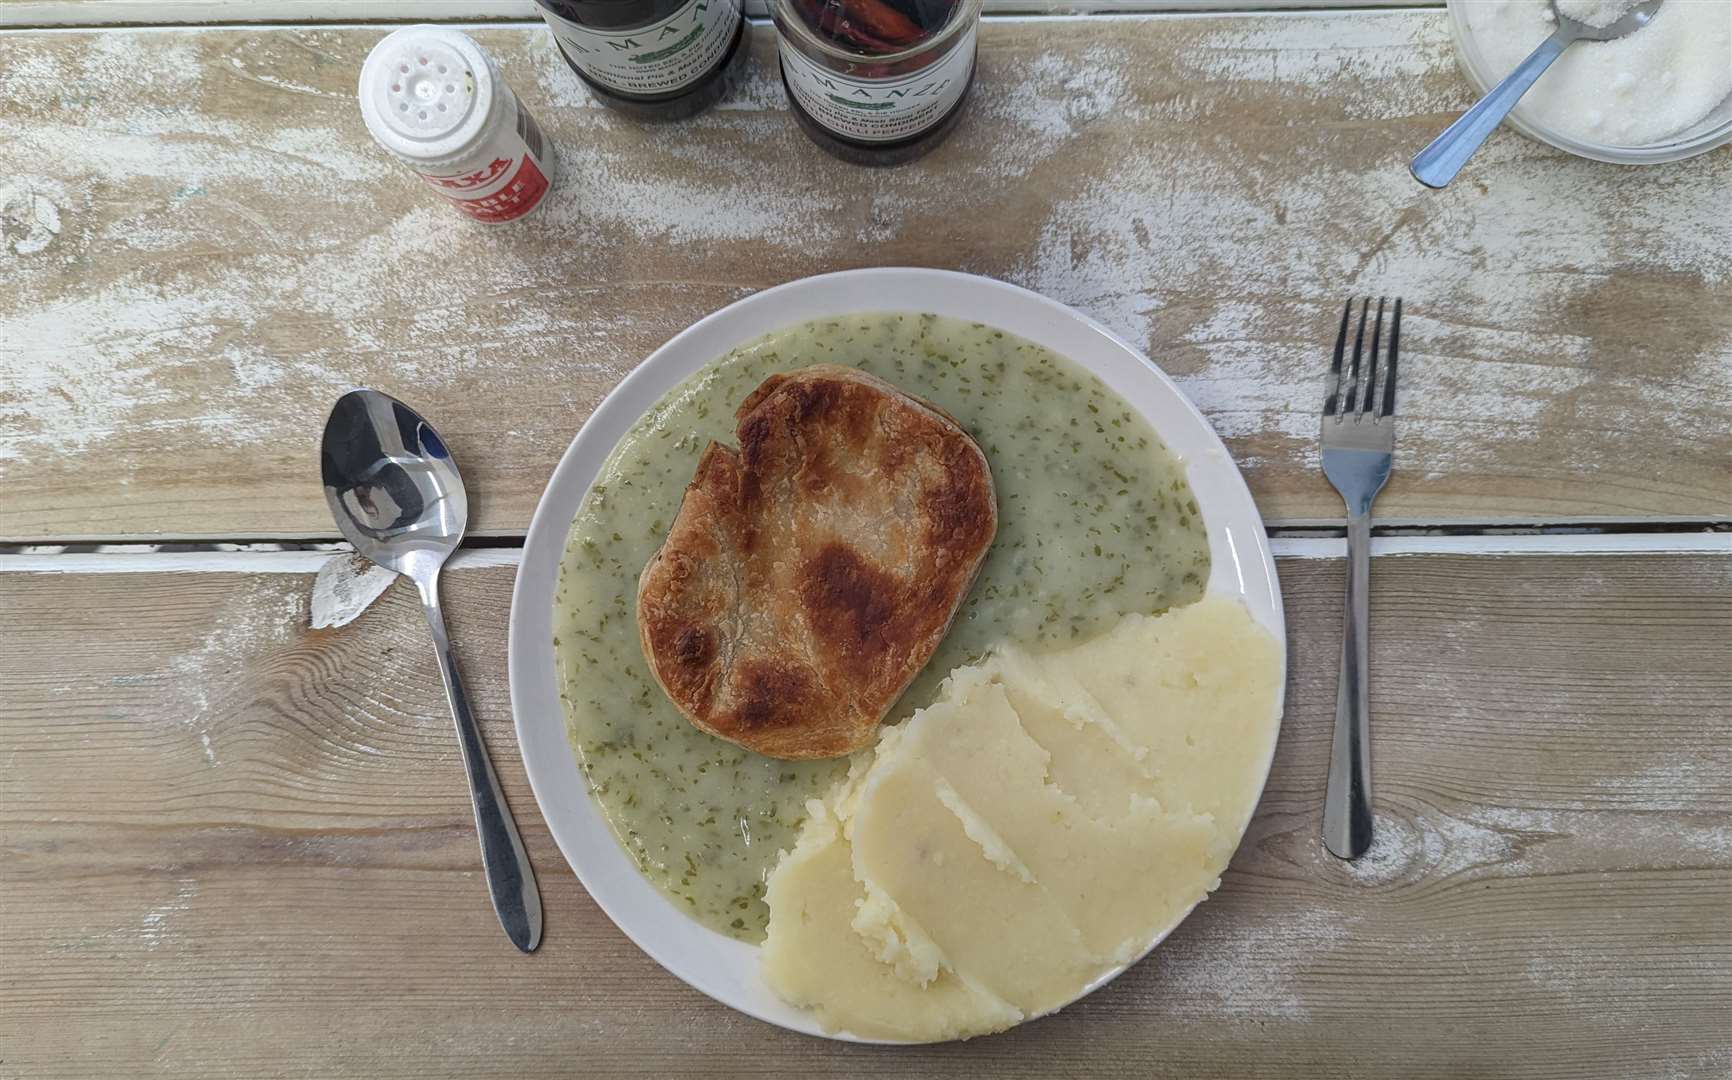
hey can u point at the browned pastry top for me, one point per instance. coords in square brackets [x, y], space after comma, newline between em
[809, 576]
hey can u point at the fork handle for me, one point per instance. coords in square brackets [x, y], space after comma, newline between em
[1347, 802]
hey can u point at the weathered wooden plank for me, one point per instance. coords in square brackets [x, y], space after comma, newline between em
[35, 13]
[202, 248]
[38, 13]
[233, 847]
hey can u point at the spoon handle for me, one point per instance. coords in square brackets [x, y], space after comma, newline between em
[1437, 164]
[510, 878]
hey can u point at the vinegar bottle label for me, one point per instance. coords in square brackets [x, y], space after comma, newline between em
[880, 109]
[663, 57]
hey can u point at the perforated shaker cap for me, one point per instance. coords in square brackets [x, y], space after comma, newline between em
[429, 95]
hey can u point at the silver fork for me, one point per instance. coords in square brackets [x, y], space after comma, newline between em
[1358, 439]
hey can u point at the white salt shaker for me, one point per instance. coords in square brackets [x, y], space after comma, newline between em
[438, 103]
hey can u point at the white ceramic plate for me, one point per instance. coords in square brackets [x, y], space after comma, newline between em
[721, 967]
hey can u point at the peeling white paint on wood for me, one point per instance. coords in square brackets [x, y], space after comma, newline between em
[39, 13]
[345, 587]
[196, 269]
[223, 562]
[1710, 544]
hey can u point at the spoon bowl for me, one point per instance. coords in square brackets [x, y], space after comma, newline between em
[391, 484]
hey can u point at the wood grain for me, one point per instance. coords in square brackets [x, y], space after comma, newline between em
[201, 248]
[34, 13]
[234, 847]
[31, 13]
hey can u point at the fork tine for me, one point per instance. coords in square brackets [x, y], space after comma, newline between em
[1388, 408]
[1358, 351]
[1371, 360]
[1333, 393]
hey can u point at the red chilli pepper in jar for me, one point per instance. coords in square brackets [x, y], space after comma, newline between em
[884, 22]
[842, 21]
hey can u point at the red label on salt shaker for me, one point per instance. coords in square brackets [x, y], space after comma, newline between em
[504, 178]
[516, 198]
[436, 101]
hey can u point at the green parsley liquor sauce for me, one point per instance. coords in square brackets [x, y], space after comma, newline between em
[1095, 522]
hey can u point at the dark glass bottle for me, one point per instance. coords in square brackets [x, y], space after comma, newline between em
[877, 82]
[653, 59]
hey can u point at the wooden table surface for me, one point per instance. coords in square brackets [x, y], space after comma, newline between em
[232, 845]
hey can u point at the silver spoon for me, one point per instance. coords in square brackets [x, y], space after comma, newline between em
[1437, 164]
[396, 495]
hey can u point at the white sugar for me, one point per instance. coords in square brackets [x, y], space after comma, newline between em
[1636, 90]
[1599, 13]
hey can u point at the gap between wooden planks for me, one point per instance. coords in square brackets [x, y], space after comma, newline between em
[118, 560]
[238, 848]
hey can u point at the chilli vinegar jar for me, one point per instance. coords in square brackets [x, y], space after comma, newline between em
[877, 82]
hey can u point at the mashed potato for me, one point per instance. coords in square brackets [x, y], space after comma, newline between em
[1032, 830]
